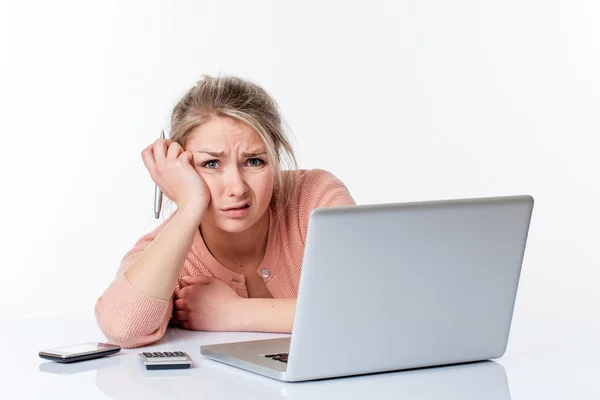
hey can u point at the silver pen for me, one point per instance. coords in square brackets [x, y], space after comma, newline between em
[158, 194]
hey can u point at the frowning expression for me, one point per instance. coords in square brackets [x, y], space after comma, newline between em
[232, 159]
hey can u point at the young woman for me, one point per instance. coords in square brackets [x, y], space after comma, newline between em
[229, 257]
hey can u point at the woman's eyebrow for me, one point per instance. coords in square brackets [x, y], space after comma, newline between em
[254, 153]
[223, 155]
[212, 153]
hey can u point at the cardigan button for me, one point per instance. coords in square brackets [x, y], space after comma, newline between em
[265, 273]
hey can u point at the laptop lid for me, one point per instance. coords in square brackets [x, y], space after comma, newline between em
[396, 286]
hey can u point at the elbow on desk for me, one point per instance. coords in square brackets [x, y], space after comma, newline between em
[129, 340]
[126, 332]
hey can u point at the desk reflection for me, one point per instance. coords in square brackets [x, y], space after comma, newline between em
[209, 379]
[79, 367]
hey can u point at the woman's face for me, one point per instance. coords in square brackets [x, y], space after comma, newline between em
[232, 159]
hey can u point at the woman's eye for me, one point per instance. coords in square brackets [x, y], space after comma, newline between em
[255, 162]
[211, 164]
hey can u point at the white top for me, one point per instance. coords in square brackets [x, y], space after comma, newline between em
[544, 360]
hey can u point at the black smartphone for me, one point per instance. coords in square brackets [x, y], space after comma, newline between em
[80, 352]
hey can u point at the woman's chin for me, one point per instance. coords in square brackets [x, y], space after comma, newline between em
[236, 225]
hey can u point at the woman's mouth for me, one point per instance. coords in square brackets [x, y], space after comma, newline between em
[237, 211]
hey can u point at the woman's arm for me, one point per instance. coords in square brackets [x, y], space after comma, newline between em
[209, 304]
[136, 307]
[266, 315]
[157, 269]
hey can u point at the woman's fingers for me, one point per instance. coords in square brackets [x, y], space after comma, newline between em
[181, 293]
[172, 169]
[197, 280]
[148, 157]
[187, 158]
[174, 151]
[180, 304]
[160, 155]
[154, 157]
[181, 316]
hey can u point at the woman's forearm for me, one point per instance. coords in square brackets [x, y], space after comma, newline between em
[265, 315]
[156, 270]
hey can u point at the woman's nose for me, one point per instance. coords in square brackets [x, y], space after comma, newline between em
[236, 187]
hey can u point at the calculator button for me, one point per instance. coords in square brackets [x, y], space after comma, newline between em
[148, 354]
[168, 353]
[158, 354]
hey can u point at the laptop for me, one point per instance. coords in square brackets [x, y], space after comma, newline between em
[397, 286]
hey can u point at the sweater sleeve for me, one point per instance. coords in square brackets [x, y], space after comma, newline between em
[318, 189]
[126, 316]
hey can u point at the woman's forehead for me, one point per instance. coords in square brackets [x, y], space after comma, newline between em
[223, 132]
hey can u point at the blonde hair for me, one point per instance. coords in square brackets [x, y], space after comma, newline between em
[244, 101]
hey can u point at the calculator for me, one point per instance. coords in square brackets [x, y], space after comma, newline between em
[166, 360]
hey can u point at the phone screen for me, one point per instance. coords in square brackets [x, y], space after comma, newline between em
[78, 349]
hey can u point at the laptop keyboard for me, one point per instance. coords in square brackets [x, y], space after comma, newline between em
[283, 357]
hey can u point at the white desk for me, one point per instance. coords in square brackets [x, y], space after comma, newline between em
[545, 360]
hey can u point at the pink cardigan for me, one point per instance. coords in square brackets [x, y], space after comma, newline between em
[131, 319]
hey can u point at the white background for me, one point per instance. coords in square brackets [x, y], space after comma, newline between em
[411, 100]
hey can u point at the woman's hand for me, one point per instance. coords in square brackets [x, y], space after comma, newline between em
[172, 169]
[208, 304]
